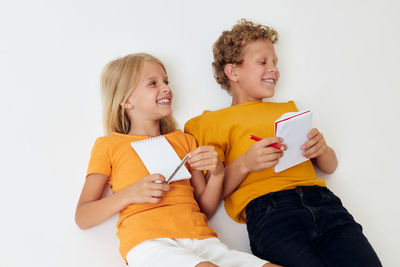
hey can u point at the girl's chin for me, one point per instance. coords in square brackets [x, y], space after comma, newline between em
[164, 106]
[167, 113]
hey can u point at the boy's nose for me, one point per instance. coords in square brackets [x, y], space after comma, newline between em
[273, 68]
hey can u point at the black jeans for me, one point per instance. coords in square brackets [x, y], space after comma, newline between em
[307, 226]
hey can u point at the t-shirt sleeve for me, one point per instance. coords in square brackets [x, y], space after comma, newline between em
[205, 136]
[192, 142]
[192, 146]
[100, 159]
[293, 106]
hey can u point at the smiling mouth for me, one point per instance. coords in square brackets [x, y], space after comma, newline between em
[269, 80]
[163, 101]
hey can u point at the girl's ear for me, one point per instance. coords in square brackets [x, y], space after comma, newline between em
[127, 105]
[231, 72]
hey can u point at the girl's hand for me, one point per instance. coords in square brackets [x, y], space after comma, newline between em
[206, 158]
[149, 189]
[261, 156]
[315, 146]
[207, 190]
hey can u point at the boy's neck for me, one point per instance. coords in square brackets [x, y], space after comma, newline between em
[239, 96]
[236, 101]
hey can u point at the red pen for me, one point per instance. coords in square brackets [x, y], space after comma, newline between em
[278, 146]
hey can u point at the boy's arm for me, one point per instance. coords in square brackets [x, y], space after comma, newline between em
[207, 191]
[260, 156]
[319, 152]
[235, 173]
[326, 162]
[208, 196]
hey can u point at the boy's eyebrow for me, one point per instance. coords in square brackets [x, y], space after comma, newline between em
[274, 58]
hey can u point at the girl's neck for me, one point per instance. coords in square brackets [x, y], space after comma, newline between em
[145, 128]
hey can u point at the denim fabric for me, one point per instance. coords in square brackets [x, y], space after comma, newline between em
[307, 226]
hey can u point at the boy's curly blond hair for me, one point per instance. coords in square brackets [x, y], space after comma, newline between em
[228, 48]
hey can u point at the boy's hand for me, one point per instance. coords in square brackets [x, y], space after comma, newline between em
[315, 146]
[149, 189]
[206, 158]
[260, 156]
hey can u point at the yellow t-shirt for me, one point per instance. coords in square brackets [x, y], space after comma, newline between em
[177, 215]
[228, 130]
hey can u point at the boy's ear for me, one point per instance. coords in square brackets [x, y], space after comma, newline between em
[231, 72]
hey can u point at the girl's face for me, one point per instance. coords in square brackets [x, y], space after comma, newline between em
[152, 98]
[258, 74]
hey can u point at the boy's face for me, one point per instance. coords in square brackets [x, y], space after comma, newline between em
[258, 74]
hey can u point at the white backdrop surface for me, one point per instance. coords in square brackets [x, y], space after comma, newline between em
[338, 58]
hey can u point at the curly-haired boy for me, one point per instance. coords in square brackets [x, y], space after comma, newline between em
[292, 218]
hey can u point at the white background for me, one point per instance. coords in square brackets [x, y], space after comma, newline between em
[338, 58]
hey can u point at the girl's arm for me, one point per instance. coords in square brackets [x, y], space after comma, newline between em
[259, 157]
[93, 209]
[319, 152]
[207, 191]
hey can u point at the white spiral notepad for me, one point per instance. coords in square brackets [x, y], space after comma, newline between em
[293, 127]
[159, 157]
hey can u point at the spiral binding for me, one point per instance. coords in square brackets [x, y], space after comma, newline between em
[149, 139]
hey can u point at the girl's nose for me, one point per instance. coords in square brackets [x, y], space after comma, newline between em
[165, 88]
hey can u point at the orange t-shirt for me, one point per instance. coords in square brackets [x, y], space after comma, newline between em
[177, 215]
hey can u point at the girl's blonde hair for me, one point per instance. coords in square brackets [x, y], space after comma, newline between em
[119, 79]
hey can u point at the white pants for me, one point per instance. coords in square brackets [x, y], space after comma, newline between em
[168, 252]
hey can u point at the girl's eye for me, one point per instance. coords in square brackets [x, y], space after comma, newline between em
[166, 82]
[263, 62]
[152, 83]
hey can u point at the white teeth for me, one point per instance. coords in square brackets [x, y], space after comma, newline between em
[269, 80]
[162, 101]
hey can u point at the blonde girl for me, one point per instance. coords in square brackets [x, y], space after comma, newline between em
[158, 224]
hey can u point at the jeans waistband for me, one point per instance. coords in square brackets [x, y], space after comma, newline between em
[291, 196]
